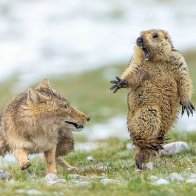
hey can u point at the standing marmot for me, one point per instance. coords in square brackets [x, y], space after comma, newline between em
[158, 81]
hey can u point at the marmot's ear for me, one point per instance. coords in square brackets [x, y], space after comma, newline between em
[44, 84]
[167, 37]
[35, 97]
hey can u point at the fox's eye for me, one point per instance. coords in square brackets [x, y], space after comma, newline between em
[155, 35]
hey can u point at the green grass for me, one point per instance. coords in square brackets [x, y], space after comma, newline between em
[118, 163]
[90, 93]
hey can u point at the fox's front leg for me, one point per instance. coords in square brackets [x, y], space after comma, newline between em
[22, 156]
[50, 160]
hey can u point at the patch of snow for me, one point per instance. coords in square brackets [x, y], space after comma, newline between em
[186, 124]
[115, 127]
[191, 181]
[175, 177]
[39, 38]
[86, 146]
[161, 181]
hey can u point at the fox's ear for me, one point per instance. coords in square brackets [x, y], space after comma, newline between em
[35, 97]
[44, 84]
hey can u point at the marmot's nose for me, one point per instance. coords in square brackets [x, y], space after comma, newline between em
[88, 118]
[140, 41]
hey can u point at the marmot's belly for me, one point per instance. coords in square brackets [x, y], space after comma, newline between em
[162, 94]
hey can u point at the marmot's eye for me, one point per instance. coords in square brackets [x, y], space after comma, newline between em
[155, 36]
[65, 106]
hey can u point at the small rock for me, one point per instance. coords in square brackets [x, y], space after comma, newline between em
[130, 146]
[174, 148]
[90, 158]
[109, 181]
[161, 181]
[191, 181]
[149, 165]
[59, 181]
[51, 177]
[4, 175]
[175, 177]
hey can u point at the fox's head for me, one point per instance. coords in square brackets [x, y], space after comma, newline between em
[49, 108]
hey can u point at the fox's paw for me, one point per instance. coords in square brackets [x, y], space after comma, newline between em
[188, 106]
[73, 169]
[25, 165]
[117, 84]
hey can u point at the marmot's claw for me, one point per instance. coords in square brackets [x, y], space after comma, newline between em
[118, 83]
[188, 106]
[114, 88]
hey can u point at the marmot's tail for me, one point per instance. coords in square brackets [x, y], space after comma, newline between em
[4, 147]
[153, 143]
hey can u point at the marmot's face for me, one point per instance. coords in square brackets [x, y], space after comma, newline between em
[154, 44]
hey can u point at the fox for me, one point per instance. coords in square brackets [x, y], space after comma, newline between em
[40, 120]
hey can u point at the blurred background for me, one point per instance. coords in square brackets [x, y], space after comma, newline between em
[80, 45]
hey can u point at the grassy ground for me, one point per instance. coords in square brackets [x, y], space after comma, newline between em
[90, 93]
[114, 161]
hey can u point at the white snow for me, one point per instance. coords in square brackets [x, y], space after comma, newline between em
[40, 38]
[161, 181]
[175, 177]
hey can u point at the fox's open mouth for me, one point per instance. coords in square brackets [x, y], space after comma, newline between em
[75, 125]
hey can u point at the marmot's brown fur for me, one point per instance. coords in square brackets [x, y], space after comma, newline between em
[158, 81]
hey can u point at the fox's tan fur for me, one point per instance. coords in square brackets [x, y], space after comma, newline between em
[157, 83]
[38, 120]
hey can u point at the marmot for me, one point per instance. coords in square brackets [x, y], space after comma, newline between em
[158, 81]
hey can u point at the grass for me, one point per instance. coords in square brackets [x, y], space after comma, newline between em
[116, 162]
[90, 93]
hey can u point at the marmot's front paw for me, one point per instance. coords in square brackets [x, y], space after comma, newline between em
[188, 106]
[118, 83]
